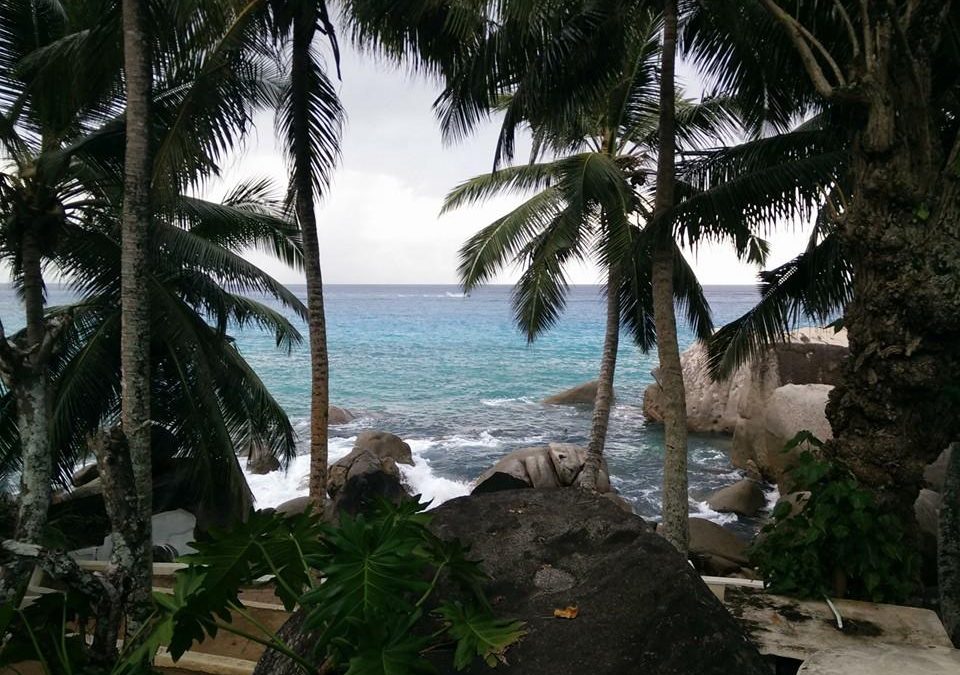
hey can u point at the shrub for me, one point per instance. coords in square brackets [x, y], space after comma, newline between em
[838, 541]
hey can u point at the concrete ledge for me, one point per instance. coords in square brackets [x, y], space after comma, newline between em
[881, 659]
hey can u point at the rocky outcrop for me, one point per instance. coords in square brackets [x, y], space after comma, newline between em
[261, 460]
[369, 472]
[642, 608]
[812, 359]
[584, 394]
[338, 416]
[745, 498]
[790, 409]
[547, 466]
[174, 487]
[715, 550]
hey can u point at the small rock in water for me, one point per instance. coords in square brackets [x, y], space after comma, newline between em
[744, 498]
[584, 394]
[338, 416]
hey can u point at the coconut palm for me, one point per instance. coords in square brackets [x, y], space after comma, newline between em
[589, 201]
[63, 146]
[675, 509]
[309, 120]
[887, 71]
[132, 545]
[209, 404]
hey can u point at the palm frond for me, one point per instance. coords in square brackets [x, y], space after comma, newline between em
[815, 285]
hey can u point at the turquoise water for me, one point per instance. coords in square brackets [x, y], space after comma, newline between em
[453, 376]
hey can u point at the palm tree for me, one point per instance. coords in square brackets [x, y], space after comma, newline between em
[675, 525]
[889, 89]
[310, 119]
[63, 146]
[33, 121]
[132, 548]
[208, 403]
[587, 204]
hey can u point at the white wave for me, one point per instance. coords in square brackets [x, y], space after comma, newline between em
[506, 402]
[703, 510]
[772, 496]
[272, 489]
[432, 488]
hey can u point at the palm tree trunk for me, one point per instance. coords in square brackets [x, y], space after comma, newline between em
[675, 507]
[133, 548]
[604, 399]
[26, 377]
[303, 33]
[30, 388]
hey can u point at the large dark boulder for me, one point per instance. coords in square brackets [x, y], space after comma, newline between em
[643, 609]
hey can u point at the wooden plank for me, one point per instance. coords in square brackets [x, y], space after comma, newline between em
[796, 629]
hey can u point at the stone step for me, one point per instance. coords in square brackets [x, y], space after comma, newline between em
[198, 662]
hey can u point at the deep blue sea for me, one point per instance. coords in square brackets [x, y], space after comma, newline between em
[454, 377]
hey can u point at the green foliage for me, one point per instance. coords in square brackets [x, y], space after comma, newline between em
[46, 631]
[380, 575]
[836, 539]
[379, 591]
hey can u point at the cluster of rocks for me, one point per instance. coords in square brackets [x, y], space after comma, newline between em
[765, 402]
[369, 472]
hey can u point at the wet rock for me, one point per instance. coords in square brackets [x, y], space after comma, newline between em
[338, 416]
[584, 394]
[546, 466]
[744, 498]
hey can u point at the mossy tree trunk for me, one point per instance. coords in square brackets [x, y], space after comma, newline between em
[894, 411]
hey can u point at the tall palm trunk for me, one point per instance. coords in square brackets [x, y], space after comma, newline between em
[608, 365]
[133, 544]
[675, 508]
[304, 30]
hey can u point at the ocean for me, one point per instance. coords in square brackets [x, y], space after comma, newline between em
[454, 377]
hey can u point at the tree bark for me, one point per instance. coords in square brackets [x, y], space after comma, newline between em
[304, 30]
[895, 409]
[604, 399]
[31, 391]
[135, 309]
[675, 526]
[25, 375]
[948, 548]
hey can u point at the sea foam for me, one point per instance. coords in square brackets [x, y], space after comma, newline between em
[272, 489]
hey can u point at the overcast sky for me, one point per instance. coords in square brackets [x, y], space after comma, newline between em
[380, 223]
